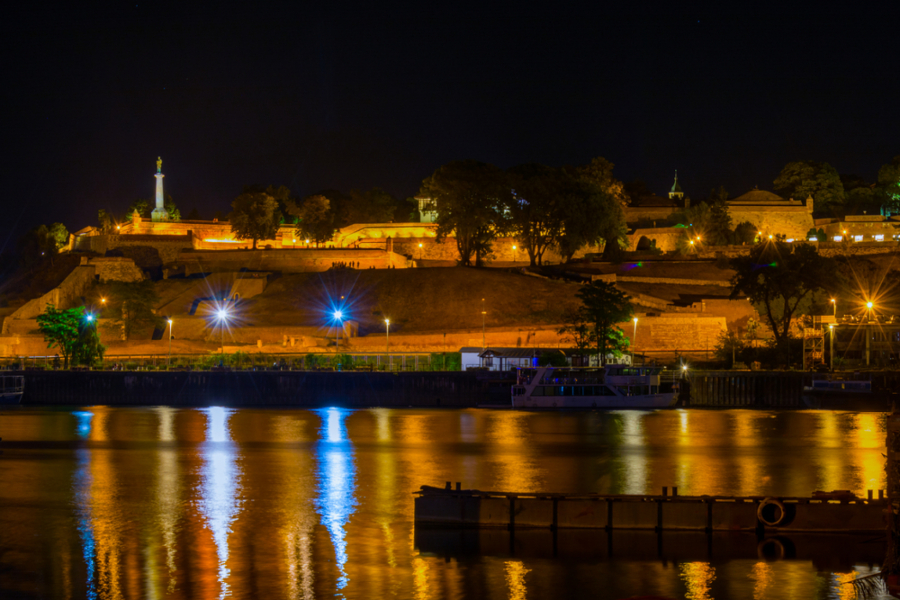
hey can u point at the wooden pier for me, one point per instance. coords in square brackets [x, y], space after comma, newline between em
[830, 512]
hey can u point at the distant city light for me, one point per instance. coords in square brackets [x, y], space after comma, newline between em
[338, 315]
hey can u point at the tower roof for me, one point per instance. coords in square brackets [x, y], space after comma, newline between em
[675, 186]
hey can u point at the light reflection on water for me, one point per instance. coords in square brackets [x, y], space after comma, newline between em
[219, 502]
[183, 503]
[337, 483]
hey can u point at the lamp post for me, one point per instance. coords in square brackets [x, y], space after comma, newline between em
[868, 330]
[633, 340]
[222, 317]
[831, 330]
[483, 313]
[169, 358]
[387, 329]
[338, 315]
[834, 307]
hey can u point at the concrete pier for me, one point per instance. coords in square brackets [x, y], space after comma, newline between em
[823, 513]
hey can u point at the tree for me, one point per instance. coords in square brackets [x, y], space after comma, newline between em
[535, 209]
[599, 172]
[781, 280]
[718, 226]
[105, 220]
[469, 197]
[35, 246]
[194, 215]
[88, 350]
[604, 307]
[729, 347]
[373, 206]
[805, 178]
[172, 209]
[60, 235]
[61, 329]
[720, 195]
[131, 307]
[635, 190]
[745, 232]
[316, 219]
[142, 206]
[592, 205]
[889, 187]
[578, 332]
[255, 216]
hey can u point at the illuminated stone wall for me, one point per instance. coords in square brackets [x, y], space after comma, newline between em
[285, 260]
[791, 221]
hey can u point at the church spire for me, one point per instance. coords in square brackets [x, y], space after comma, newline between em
[676, 189]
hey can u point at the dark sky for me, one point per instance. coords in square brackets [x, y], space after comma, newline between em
[355, 95]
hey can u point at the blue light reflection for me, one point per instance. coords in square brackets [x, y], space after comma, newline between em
[336, 475]
[82, 486]
[83, 423]
[219, 502]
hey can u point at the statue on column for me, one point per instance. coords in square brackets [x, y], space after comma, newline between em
[159, 164]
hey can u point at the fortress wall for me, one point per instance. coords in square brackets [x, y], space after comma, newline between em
[792, 221]
[66, 295]
[661, 214]
[666, 237]
[116, 269]
[286, 260]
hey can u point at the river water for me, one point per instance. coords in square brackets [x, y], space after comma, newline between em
[252, 503]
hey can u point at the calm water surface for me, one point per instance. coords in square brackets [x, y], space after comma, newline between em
[216, 503]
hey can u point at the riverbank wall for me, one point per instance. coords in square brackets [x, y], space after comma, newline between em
[451, 389]
[263, 388]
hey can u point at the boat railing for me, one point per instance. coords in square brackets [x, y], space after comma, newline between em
[12, 384]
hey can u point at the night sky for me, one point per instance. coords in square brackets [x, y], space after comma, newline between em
[359, 95]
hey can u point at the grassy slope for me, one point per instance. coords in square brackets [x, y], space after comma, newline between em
[416, 300]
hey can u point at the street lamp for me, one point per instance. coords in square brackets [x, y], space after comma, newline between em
[868, 330]
[831, 330]
[633, 340]
[169, 358]
[483, 313]
[834, 306]
[338, 315]
[387, 328]
[222, 317]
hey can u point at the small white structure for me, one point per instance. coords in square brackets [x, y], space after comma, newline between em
[504, 359]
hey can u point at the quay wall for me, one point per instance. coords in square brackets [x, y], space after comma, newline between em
[258, 388]
[449, 389]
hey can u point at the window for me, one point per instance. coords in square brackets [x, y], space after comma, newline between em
[857, 238]
[838, 238]
[879, 237]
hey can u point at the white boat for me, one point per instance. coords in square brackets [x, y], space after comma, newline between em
[612, 386]
[11, 389]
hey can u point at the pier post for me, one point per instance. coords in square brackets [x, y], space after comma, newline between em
[891, 567]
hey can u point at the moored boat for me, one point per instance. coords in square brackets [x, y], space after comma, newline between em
[612, 386]
[11, 389]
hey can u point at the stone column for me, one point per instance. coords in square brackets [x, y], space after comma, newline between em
[159, 213]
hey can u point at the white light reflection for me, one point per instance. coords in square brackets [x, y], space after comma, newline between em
[167, 489]
[219, 502]
[337, 483]
[633, 458]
